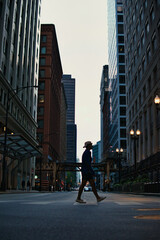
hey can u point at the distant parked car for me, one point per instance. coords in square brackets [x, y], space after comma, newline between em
[86, 189]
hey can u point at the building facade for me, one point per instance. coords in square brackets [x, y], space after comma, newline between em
[69, 87]
[49, 99]
[142, 49]
[19, 63]
[116, 74]
[104, 112]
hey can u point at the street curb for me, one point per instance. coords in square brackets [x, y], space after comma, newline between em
[137, 193]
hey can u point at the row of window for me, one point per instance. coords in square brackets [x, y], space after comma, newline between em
[16, 112]
[143, 94]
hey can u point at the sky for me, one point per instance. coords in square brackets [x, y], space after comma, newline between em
[81, 28]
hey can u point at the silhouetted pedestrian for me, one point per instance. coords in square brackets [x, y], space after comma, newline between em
[23, 185]
[87, 173]
[28, 185]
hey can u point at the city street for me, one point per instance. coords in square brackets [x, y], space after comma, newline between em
[56, 216]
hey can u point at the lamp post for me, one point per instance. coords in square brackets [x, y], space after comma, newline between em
[119, 153]
[135, 136]
[3, 184]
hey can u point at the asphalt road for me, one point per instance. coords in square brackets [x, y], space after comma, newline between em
[56, 216]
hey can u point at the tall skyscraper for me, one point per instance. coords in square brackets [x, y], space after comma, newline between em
[104, 112]
[69, 87]
[142, 48]
[19, 62]
[49, 98]
[116, 61]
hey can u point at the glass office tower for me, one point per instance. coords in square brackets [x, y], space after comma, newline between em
[116, 61]
[69, 87]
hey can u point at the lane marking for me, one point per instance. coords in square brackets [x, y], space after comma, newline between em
[38, 203]
[128, 203]
[148, 217]
[87, 203]
[148, 209]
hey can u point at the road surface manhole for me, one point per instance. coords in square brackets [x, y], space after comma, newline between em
[149, 217]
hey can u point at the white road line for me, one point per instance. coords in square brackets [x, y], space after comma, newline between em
[87, 203]
[39, 203]
[128, 203]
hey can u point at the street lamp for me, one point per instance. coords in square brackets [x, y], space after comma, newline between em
[3, 185]
[157, 102]
[135, 136]
[119, 153]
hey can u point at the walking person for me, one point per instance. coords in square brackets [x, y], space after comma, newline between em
[23, 185]
[87, 173]
[28, 185]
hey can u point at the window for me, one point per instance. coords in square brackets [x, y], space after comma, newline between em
[154, 42]
[135, 57]
[40, 137]
[42, 61]
[122, 100]
[137, 27]
[123, 133]
[158, 25]
[138, 49]
[135, 81]
[37, 53]
[41, 85]
[141, 15]
[139, 73]
[43, 50]
[120, 18]
[148, 54]
[152, 14]
[122, 122]
[121, 49]
[121, 59]
[44, 38]
[121, 79]
[149, 85]
[120, 9]
[41, 73]
[41, 98]
[144, 93]
[120, 29]
[142, 39]
[121, 39]
[147, 28]
[122, 111]
[4, 45]
[122, 89]
[40, 110]
[123, 144]
[121, 68]
[143, 64]
[136, 106]
[155, 74]
[145, 4]
[139, 99]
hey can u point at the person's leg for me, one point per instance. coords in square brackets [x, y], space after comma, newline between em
[99, 199]
[94, 188]
[81, 188]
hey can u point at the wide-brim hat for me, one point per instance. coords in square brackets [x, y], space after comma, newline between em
[87, 143]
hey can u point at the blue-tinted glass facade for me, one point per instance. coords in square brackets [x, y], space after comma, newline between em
[69, 87]
[116, 60]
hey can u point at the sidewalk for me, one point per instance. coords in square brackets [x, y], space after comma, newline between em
[18, 191]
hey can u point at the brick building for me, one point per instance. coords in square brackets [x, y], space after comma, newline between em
[49, 98]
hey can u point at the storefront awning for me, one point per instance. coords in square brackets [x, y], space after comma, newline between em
[17, 147]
